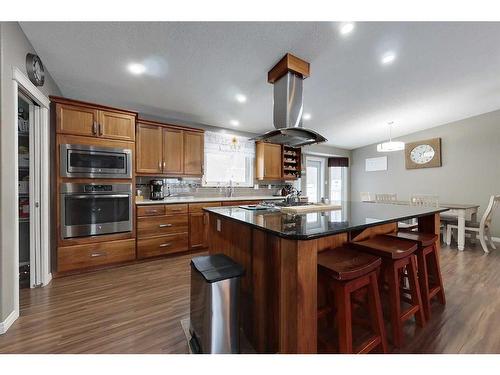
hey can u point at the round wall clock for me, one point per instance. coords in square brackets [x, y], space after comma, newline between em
[34, 68]
[423, 154]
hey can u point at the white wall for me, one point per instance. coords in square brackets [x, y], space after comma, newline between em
[470, 170]
[13, 49]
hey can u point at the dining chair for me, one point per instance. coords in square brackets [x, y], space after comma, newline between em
[365, 196]
[482, 228]
[386, 197]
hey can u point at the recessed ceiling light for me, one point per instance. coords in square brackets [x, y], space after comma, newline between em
[346, 28]
[136, 68]
[241, 98]
[234, 122]
[306, 116]
[388, 58]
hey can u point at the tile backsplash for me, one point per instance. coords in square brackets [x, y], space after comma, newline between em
[193, 187]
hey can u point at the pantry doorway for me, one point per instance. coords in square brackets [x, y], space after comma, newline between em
[31, 209]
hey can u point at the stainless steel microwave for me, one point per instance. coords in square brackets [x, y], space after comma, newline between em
[95, 209]
[95, 161]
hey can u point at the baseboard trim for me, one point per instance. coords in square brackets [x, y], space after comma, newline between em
[5, 325]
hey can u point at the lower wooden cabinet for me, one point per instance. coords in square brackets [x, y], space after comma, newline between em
[155, 246]
[70, 258]
[198, 225]
[161, 225]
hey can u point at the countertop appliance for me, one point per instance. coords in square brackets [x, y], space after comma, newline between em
[87, 161]
[156, 190]
[94, 209]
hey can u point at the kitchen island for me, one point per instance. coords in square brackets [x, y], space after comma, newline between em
[279, 252]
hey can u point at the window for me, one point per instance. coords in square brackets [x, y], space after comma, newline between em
[336, 184]
[228, 159]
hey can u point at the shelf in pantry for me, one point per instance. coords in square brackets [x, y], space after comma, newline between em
[24, 219]
[23, 134]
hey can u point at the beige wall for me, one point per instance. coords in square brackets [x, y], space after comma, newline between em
[470, 170]
[13, 49]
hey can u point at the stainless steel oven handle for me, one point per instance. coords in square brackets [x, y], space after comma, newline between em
[91, 196]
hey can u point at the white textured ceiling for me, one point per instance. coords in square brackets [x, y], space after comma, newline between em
[443, 71]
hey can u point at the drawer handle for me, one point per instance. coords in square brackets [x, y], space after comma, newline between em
[176, 209]
[165, 244]
[164, 225]
[95, 255]
[152, 212]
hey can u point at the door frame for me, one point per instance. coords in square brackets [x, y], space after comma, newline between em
[324, 177]
[41, 118]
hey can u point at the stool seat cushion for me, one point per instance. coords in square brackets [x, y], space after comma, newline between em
[387, 247]
[423, 239]
[344, 263]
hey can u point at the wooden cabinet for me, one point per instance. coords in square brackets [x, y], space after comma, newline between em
[162, 229]
[70, 258]
[198, 225]
[149, 149]
[76, 118]
[181, 150]
[268, 161]
[193, 153]
[116, 125]
[173, 151]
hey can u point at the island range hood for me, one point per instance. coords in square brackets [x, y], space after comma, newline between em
[287, 77]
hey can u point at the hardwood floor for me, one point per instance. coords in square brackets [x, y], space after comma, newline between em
[138, 309]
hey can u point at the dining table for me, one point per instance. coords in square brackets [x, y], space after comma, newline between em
[460, 211]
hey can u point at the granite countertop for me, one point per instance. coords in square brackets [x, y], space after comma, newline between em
[191, 199]
[350, 216]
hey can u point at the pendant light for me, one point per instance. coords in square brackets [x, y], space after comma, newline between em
[391, 145]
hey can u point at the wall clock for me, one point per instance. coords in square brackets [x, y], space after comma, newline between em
[423, 154]
[34, 68]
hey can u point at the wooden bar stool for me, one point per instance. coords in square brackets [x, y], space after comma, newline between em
[429, 271]
[346, 271]
[397, 255]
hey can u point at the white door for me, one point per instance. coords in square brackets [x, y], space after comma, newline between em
[315, 178]
[336, 184]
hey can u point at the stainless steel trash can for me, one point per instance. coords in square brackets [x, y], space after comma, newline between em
[215, 284]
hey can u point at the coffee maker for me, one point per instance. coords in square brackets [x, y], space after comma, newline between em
[156, 190]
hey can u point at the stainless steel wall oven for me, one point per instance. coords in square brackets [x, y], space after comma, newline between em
[94, 209]
[95, 161]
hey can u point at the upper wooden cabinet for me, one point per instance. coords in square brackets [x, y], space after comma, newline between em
[193, 153]
[268, 161]
[79, 118]
[173, 151]
[115, 125]
[181, 150]
[76, 120]
[149, 149]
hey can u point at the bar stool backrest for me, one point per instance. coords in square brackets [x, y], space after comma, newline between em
[386, 197]
[424, 200]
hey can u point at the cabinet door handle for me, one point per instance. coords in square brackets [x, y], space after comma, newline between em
[94, 128]
[165, 244]
[164, 225]
[159, 165]
[100, 129]
[164, 165]
[100, 254]
[204, 219]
